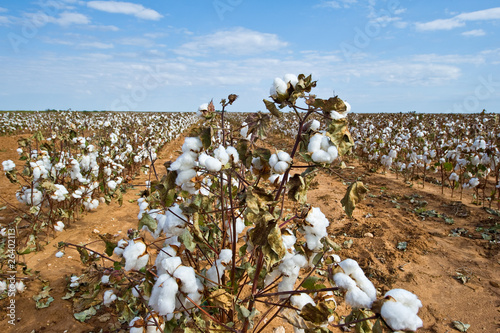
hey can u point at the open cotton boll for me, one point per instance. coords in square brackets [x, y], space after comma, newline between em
[356, 298]
[192, 144]
[292, 78]
[321, 156]
[162, 298]
[169, 265]
[344, 281]
[225, 256]
[187, 277]
[120, 247]
[152, 320]
[257, 163]
[184, 162]
[164, 253]
[221, 154]
[314, 125]
[300, 300]
[349, 266]
[316, 229]
[281, 167]
[185, 176]
[288, 238]
[135, 255]
[406, 298]
[233, 153]
[59, 226]
[364, 284]
[109, 297]
[212, 164]
[315, 143]
[399, 317]
[8, 165]
[74, 281]
[279, 87]
[20, 286]
[333, 152]
[273, 160]
[111, 185]
[59, 254]
[136, 325]
[284, 156]
[105, 279]
[202, 158]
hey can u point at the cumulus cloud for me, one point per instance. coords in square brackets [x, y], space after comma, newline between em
[238, 41]
[459, 20]
[128, 8]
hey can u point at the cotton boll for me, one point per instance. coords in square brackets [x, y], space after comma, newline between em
[279, 87]
[136, 325]
[185, 176]
[59, 226]
[321, 156]
[8, 165]
[288, 238]
[315, 124]
[400, 317]
[299, 301]
[74, 281]
[315, 143]
[406, 298]
[187, 277]
[257, 163]
[105, 279]
[202, 158]
[273, 160]
[135, 255]
[163, 295]
[325, 143]
[292, 78]
[184, 162]
[122, 244]
[226, 256]
[344, 281]
[221, 154]
[59, 254]
[349, 266]
[169, 265]
[20, 286]
[333, 152]
[356, 298]
[192, 144]
[112, 185]
[284, 156]
[109, 297]
[212, 164]
[280, 167]
[152, 320]
[233, 153]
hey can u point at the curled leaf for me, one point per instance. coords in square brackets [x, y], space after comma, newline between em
[355, 193]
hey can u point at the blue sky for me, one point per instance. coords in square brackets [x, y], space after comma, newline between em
[380, 55]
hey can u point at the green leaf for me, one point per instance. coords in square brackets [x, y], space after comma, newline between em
[86, 314]
[148, 221]
[272, 108]
[377, 327]
[311, 283]
[447, 166]
[354, 194]
[110, 245]
[187, 239]
[43, 299]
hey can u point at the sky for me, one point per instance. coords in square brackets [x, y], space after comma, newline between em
[379, 55]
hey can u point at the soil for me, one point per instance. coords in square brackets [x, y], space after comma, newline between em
[453, 269]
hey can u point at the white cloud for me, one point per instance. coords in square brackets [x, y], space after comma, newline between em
[459, 20]
[238, 41]
[67, 18]
[104, 27]
[440, 24]
[4, 20]
[474, 33]
[3, 10]
[96, 45]
[127, 8]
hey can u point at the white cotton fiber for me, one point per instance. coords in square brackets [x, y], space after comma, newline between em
[202, 159]
[187, 276]
[284, 156]
[344, 281]
[273, 160]
[221, 154]
[321, 156]
[184, 162]
[406, 298]
[109, 297]
[400, 317]
[192, 144]
[292, 78]
[281, 167]
[59, 226]
[226, 256]
[300, 300]
[314, 125]
[170, 265]
[279, 87]
[315, 143]
[349, 266]
[233, 153]
[162, 298]
[135, 255]
[289, 239]
[356, 298]
[212, 164]
[334, 152]
[185, 176]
